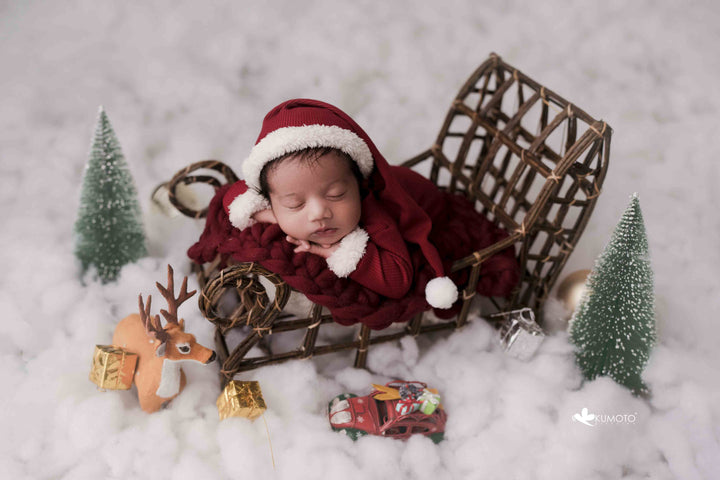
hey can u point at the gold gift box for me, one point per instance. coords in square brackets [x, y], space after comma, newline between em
[112, 367]
[241, 399]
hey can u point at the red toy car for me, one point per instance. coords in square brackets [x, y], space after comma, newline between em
[395, 410]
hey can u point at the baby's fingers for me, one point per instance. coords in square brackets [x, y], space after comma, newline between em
[302, 245]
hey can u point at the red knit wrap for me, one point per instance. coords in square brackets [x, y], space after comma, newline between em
[458, 230]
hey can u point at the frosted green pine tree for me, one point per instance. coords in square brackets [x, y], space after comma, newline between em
[109, 231]
[613, 328]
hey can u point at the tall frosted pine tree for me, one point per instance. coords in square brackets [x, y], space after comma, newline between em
[613, 328]
[109, 231]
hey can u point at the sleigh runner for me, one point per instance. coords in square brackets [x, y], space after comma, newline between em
[529, 161]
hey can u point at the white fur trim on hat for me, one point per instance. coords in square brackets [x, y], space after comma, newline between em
[441, 292]
[344, 260]
[243, 207]
[292, 139]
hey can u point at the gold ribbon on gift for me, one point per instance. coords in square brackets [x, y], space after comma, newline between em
[241, 399]
[113, 368]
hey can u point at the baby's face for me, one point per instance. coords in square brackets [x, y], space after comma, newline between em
[315, 201]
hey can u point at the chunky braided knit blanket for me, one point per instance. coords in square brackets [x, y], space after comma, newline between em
[458, 230]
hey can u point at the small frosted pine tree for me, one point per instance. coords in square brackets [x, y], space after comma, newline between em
[109, 231]
[613, 328]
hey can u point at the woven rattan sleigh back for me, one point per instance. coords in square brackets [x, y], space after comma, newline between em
[528, 159]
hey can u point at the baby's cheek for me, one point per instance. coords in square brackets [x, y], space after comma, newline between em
[293, 226]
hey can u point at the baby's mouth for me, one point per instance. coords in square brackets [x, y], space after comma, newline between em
[322, 232]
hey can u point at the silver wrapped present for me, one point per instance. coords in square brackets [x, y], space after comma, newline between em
[520, 335]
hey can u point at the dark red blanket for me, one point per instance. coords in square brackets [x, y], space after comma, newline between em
[458, 230]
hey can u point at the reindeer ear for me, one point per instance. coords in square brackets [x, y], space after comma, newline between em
[182, 324]
[160, 350]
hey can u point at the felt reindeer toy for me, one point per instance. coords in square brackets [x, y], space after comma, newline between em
[160, 350]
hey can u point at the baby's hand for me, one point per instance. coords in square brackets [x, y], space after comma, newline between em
[323, 251]
[265, 216]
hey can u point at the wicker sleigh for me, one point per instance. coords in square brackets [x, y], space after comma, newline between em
[529, 160]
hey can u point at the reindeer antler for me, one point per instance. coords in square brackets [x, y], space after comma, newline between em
[152, 324]
[169, 294]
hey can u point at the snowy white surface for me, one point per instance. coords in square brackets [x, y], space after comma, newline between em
[183, 81]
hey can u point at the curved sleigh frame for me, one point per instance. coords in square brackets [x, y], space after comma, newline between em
[529, 160]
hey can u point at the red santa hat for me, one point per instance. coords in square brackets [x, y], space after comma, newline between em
[301, 123]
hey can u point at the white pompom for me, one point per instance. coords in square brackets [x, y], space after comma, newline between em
[242, 208]
[441, 292]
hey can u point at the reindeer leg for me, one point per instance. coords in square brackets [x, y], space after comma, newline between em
[151, 404]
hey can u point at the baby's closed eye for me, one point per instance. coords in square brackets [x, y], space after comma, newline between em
[294, 206]
[336, 195]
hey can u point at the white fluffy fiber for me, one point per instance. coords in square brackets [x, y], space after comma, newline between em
[291, 139]
[183, 81]
[242, 208]
[344, 260]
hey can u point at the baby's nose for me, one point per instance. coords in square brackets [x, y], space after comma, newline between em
[320, 211]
